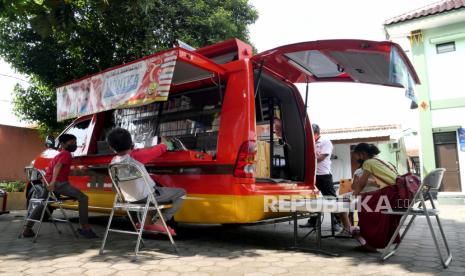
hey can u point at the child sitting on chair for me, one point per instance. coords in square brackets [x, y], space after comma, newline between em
[56, 175]
[135, 191]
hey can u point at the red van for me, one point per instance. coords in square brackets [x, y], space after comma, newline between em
[238, 119]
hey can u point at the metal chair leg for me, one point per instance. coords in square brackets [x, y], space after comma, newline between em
[53, 220]
[134, 226]
[435, 240]
[41, 218]
[68, 221]
[446, 244]
[404, 233]
[445, 263]
[387, 252]
[436, 243]
[106, 231]
[141, 230]
[167, 230]
[25, 220]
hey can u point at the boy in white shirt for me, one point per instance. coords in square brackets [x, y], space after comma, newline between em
[135, 191]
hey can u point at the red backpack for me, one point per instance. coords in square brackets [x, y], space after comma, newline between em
[407, 184]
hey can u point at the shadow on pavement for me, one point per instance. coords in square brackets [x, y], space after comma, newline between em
[416, 254]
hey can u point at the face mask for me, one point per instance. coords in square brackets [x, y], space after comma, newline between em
[71, 148]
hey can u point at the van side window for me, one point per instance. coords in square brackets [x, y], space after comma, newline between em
[193, 117]
[80, 130]
[140, 122]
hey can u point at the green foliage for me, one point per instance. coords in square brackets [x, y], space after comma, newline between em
[12, 186]
[37, 104]
[56, 41]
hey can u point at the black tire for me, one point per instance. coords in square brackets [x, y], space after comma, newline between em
[32, 194]
[231, 225]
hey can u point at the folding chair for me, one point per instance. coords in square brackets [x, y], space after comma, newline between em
[43, 196]
[417, 207]
[4, 195]
[130, 172]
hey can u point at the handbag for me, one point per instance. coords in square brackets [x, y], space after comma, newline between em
[407, 184]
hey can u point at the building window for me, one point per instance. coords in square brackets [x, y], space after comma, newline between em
[445, 47]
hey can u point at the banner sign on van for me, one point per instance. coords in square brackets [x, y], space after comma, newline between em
[138, 83]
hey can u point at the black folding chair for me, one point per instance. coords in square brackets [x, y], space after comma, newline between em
[120, 173]
[43, 196]
[417, 207]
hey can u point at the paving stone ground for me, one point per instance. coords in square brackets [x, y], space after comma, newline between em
[219, 250]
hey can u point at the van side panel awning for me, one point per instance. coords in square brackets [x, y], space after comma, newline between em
[137, 83]
[360, 61]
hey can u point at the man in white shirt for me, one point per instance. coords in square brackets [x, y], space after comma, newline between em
[324, 179]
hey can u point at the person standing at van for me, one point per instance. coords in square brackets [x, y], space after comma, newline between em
[135, 191]
[57, 177]
[324, 178]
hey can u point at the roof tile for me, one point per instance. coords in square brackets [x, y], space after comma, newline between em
[435, 8]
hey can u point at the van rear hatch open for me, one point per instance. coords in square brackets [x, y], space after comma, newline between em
[357, 61]
[360, 61]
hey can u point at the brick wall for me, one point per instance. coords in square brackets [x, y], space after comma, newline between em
[18, 146]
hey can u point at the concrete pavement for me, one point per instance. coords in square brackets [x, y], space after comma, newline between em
[219, 250]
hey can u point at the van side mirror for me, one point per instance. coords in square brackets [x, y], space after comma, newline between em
[50, 142]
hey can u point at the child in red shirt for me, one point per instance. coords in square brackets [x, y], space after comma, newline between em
[56, 175]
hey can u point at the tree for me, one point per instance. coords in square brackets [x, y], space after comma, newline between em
[56, 41]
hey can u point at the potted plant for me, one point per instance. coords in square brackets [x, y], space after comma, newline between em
[16, 198]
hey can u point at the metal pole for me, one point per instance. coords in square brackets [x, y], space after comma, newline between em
[271, 110]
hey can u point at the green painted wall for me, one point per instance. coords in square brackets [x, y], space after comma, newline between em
[386, 154]
[426, 132]
[441, 94]
[448, 103]
[438, 82]
[445, 70]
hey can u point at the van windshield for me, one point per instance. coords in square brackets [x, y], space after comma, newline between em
[81, 131]
[191, 116]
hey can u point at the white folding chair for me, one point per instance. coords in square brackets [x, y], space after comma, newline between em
[130, 172]
[43, 196]
[417, 207]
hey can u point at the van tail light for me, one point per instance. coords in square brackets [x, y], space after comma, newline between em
[245, 163]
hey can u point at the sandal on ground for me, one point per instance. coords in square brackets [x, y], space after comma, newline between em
[157, 228]
[344, 233]
[28, 233]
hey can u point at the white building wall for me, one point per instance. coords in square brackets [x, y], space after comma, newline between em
[448, 117]
[445, 71]
[445, 76]
[341, 166]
